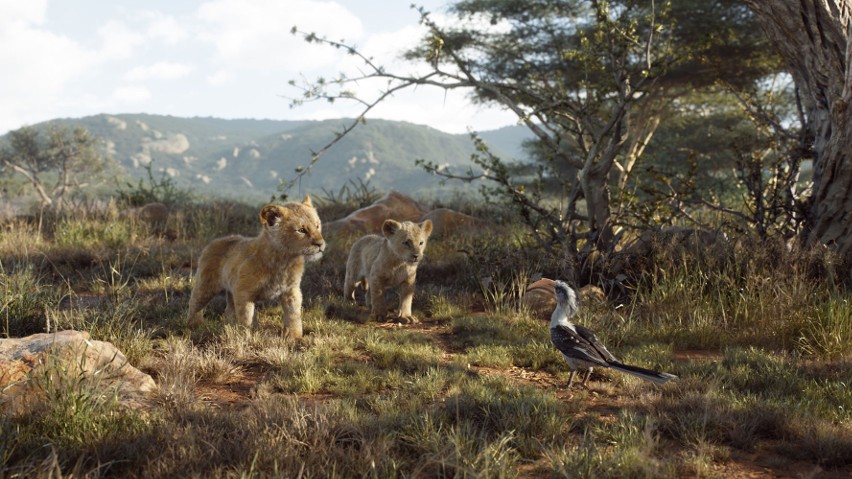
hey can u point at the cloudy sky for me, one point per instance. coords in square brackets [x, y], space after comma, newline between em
[221, 58]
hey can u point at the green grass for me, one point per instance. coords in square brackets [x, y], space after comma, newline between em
[756, 395]
[449, 397]
[629, 447]
[67, 414]
[25, 297]
[827, 332]
[505, 340]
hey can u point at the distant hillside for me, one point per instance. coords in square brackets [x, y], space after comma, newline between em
[247, 158]
[508, 140]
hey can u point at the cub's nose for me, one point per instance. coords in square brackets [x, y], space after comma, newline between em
[415, 257]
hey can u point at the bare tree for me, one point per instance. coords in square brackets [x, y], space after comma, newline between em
[53, 166]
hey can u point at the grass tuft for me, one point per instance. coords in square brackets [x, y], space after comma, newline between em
[828, 332]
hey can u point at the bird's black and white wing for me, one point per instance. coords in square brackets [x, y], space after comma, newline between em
[592, 340]
[575, 346]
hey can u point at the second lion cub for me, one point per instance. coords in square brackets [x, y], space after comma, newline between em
[379, 263]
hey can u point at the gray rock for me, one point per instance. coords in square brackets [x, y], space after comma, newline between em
[24, 361]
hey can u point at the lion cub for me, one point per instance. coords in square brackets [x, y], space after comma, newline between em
[379, 263]
[261, 268]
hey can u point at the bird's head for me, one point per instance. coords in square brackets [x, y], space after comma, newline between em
[566, 297]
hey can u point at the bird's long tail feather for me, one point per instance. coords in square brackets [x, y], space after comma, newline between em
[647, 374]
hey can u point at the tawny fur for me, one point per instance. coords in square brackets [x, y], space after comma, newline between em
[260, 268]
[382, 262]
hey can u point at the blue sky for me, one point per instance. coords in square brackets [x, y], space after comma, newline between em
[222, 58]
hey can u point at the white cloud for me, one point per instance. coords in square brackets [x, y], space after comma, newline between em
[119, 41]
[37, 64]
[386, 48]
[452, 113]
[159, 71]
[48, 73]
[449, 110]
[53, 67]
[256, 33]
[220, 77]
[30, 11]
[131, 94]
[167, 29]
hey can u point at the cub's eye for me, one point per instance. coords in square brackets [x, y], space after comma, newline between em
[421, 243]
[408, 243]
[303, 231]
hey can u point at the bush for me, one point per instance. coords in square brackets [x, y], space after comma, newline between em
[152, 190]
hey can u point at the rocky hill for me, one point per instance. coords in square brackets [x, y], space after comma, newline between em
[249, 158]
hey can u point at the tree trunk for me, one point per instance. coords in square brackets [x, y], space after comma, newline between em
[36, 182]
[813, 36]
[596, 194]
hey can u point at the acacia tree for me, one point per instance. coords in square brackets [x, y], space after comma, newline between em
[589, 78]
[815, 39]
[63, 154]
[582, 77]
[570, 70]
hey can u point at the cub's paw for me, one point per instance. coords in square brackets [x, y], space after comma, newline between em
[407, 319]
[379, 318]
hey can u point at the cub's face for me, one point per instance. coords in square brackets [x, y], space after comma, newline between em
[295, 227]
[408, 240]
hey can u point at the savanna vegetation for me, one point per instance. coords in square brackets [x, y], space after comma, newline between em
[671, 168]
[761, 342]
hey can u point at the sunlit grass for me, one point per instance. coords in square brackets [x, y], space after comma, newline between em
[628, 447]
[438, 399]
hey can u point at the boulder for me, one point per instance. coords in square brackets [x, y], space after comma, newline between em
[678, 241]
[26, 362]
[591, 294]
[447, 222]
[641, 253]
[540, 299]
[400, 207]
[154, 215]
[369, 219]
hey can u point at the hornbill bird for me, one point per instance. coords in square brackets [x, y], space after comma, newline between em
[580, 347]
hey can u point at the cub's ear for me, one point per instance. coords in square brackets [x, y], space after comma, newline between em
[389, 227]
[271, 215]
[427, 227]
[307, 201]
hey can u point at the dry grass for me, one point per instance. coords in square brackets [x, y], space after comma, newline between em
[473, 391]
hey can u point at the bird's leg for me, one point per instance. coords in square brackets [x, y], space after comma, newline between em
[588, 375]
[571, 378]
